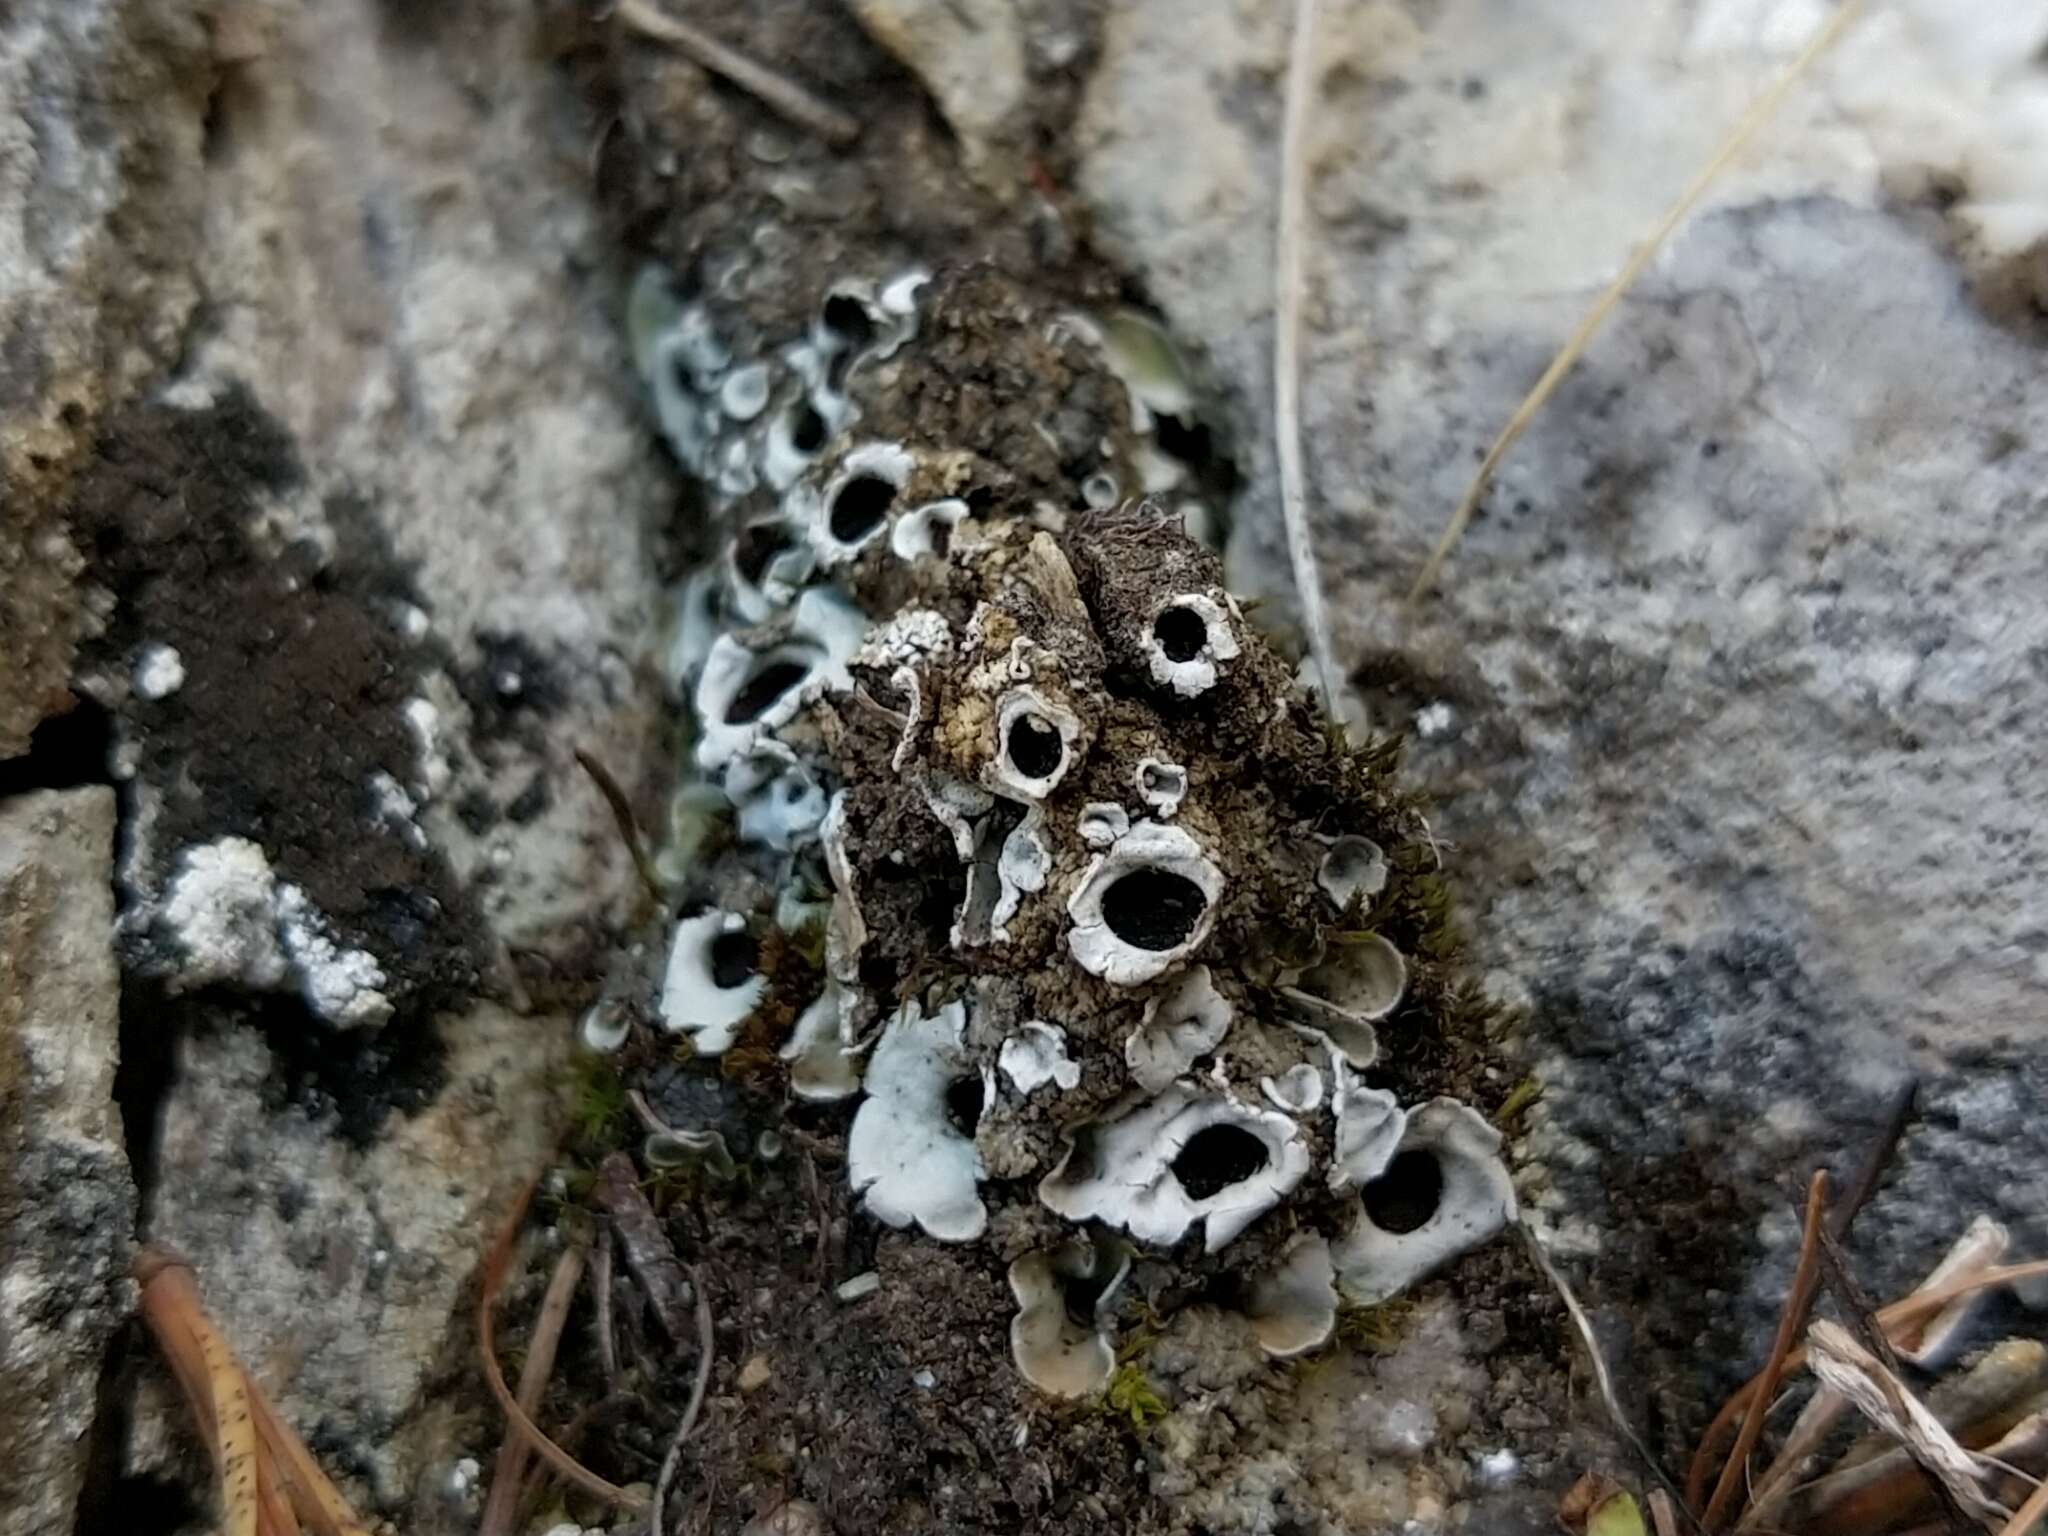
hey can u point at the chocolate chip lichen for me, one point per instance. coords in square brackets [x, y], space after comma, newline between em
[1116, 925]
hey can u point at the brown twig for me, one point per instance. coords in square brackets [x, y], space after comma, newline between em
[572, 1432]
[673, 1459]
[2029, 1514]
[314, 1499]
[1848, 1368]
[1875, 1162]
[627, 823]
[1804, 1280]
[1815, 1421]
[495, 1264]
[1858, 1309]
[601, 1318]
[781, 94]
[816, 1195]
[1882, 1150]
[508, 1477]
[1861, 1314]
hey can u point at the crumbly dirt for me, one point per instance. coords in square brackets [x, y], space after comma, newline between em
[943, 1455]
[893, 1411]
[296, 677]
[902, 1409]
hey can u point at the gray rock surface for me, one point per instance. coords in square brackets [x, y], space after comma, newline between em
[67, 1204]
[1730, 698]
[406, 281]
[305, 309]
[339, 1265]
[97, 211]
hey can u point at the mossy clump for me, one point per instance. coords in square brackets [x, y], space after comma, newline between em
[1132, 1395]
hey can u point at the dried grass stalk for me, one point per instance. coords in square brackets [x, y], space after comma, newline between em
[1576, 344]
[1845, 1367]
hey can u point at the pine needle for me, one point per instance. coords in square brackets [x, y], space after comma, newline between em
[2028, 1515]
[667, 1476]
[1805, 1281]
[1759, 113]
[1301, 553]
[496, 1262]
[782, 94]
[269, 1482]
[1603, 1378]
[508, 1478]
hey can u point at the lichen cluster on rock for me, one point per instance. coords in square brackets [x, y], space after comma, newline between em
[1120, 938]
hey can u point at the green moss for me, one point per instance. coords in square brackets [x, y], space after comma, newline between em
[807, 942]
[1131, 1395]
[1470, 1014]
[597, 1105]
[1375, 1330]
[667, 1188]
[1379, 758]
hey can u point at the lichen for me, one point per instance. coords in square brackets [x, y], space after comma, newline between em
[1117, 918]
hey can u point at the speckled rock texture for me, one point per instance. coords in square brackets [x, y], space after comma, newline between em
[326, 489]
[435, 531]
[1727, 698]
[67, 1203]
[98, 219]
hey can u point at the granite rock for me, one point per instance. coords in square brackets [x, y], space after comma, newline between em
[67, 1203]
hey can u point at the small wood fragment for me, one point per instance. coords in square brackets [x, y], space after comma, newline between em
[666, 1477]
[647, 1250]
[496, 1262]
[508, 1476]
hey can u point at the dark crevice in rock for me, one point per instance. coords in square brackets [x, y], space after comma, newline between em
[67, 751]
[142, 1080]
[512, 692]
[359, 1078]
[117, 1503]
